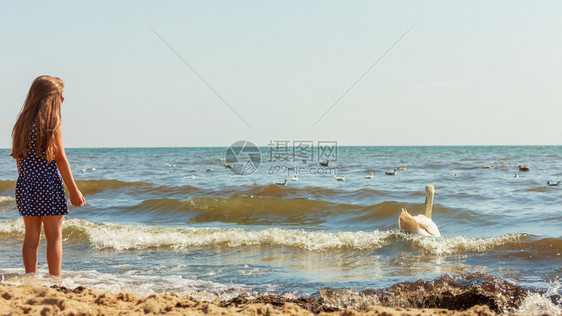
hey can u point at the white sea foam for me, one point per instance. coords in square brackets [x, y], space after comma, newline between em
[460, 244]
[134, 282]
[348, 298]
[15, 226]
[6, 199]
[537, 304]
[125, 237]
[135, 237]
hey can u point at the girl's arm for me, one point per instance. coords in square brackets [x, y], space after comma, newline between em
[76, 197]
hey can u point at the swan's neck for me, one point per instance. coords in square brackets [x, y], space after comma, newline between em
[428, 205]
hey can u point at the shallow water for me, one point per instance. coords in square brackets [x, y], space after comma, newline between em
[150, 226]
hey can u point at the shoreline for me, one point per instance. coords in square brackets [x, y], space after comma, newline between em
[35, 299]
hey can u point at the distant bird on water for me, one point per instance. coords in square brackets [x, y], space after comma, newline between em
[552, 183]
[325, 164]
[420, 224]
[524, 168]
[228, 165]
[295, 178]
[391, 173]
[369, 176]
[281, 183]
[403, 168]
[340, 178]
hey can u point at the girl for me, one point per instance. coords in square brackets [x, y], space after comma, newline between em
[41, 160]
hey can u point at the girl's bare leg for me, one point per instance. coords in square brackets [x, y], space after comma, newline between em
[53, 234]
[31, 243]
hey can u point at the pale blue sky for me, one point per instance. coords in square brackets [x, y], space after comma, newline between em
[468, 73]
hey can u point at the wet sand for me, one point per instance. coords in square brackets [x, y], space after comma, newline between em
[40, 300]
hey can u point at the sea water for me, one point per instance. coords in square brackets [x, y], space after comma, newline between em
[175, 219]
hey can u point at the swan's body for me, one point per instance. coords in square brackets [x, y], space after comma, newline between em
[420, 224]
[295, 178]
[369, 176]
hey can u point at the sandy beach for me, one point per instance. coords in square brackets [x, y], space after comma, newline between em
[39, 300]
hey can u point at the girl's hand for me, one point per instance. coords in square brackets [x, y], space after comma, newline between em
[77, 199]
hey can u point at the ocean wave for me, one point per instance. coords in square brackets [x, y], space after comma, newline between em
[129, 237]
[91, 187]
[462, 244]
[266, 210]
[135, 282]
[7, 199]
[7, 185]
[276, 211]
[138, 237]
[454, 292]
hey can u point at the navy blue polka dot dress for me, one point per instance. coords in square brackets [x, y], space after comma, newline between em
[39, 189]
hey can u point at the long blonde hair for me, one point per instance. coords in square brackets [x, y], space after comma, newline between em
[42, 107]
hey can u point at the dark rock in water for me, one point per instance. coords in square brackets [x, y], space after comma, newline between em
[450, 292]
[459, 293]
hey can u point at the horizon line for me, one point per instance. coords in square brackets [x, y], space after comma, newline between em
[363, 146]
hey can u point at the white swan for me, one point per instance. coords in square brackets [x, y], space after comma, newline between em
[295, 178]
[420, 224]
[369, 176]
